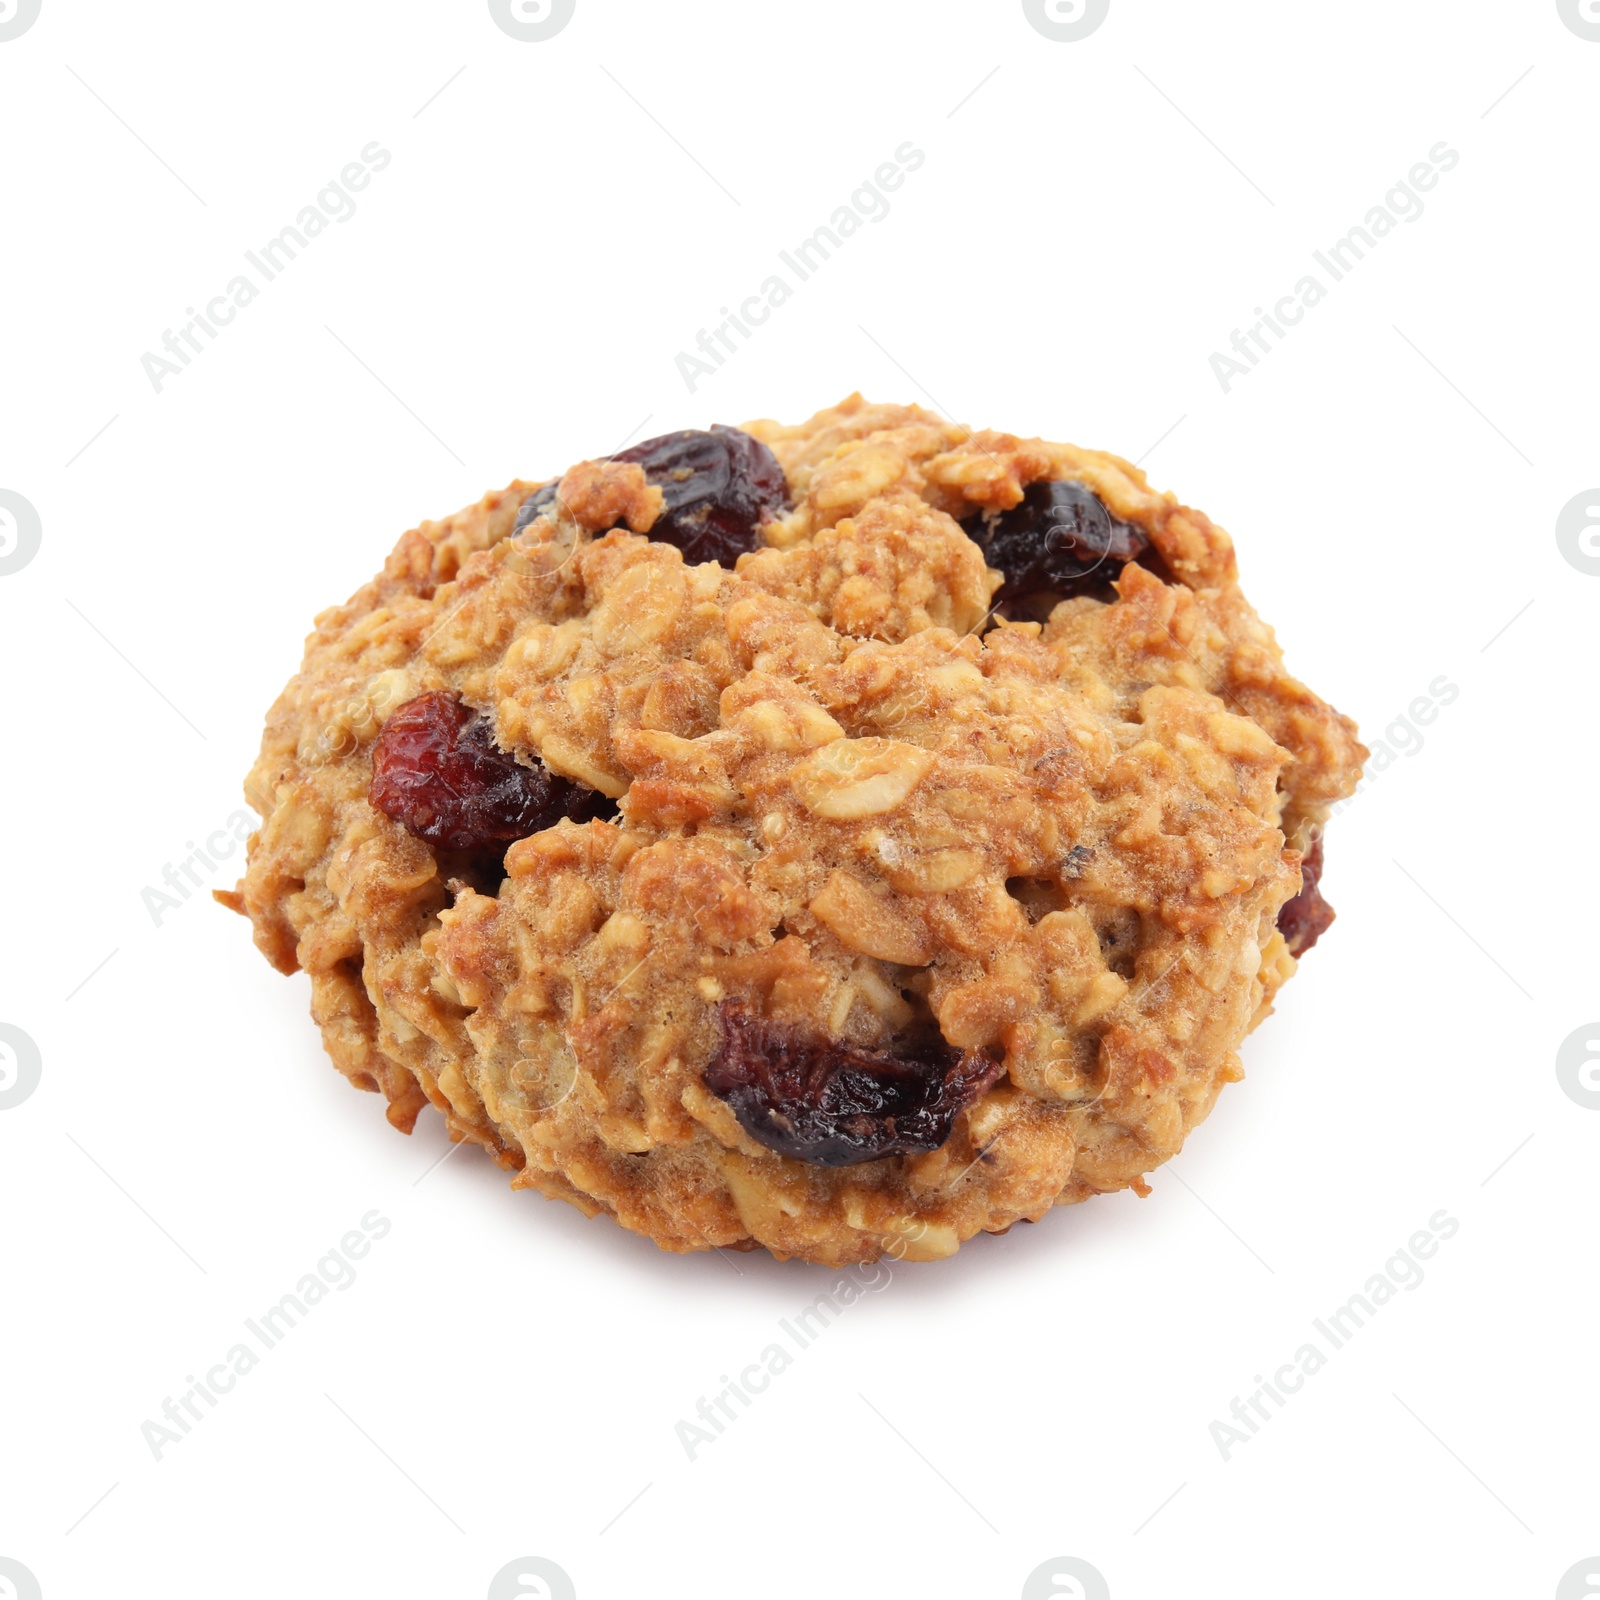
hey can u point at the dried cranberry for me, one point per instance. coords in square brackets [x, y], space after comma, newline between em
[717, 489]
[1306, 918]
[836, 1104]
[437, 770]
[1059, 539]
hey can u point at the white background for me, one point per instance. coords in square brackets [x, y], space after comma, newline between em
[504, 1377]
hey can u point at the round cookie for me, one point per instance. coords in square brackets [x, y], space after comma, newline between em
[840, 839]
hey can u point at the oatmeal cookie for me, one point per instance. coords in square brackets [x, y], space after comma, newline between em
[838, 839]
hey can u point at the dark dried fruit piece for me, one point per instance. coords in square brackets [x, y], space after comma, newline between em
[717, 489]
[437, 771]
[836, 1104]
[1059, 540]
[1307, 917]
[1077, 861]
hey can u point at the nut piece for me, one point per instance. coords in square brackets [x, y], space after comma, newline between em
[870, 923]
[640, 609]
[855, 476]
[937, 872]
[789, 725]
[599, 494]
[854, 778]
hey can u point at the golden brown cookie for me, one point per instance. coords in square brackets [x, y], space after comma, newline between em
[840, 839]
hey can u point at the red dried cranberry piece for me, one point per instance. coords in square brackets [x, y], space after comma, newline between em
[836, 1104]
[1306, 918]
[1059, 539]
[437, 771]
[717, 487]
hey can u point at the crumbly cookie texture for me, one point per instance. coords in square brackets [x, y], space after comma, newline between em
[849, 799]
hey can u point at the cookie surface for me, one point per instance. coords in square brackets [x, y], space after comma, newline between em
[930, 859]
